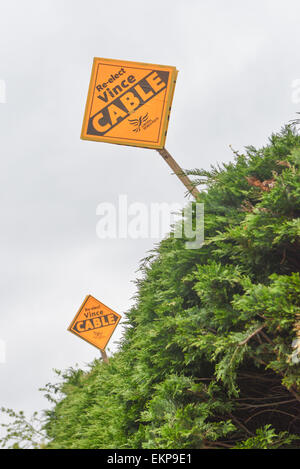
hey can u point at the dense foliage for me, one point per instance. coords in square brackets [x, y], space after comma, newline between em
[207, 360]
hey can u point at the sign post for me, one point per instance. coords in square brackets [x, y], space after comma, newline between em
[129, 103]
[179, 172]
[104, 356]
[95, 323]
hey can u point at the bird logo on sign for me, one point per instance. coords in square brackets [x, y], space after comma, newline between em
[137, 123]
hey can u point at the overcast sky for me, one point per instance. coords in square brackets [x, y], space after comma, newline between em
[237, 62]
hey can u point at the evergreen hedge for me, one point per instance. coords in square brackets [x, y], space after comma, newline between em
[209, 357]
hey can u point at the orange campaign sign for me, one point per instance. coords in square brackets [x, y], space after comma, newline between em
[94, 322]
[129, 103]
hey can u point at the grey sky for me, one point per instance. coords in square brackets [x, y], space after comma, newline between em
[236, 61]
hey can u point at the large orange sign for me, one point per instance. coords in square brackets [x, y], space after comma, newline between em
[94, 322]
[129, 103]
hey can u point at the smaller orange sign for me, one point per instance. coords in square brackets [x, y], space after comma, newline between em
[94, 322]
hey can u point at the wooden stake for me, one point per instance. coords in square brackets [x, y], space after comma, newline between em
[178, 171]
[104, 356]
